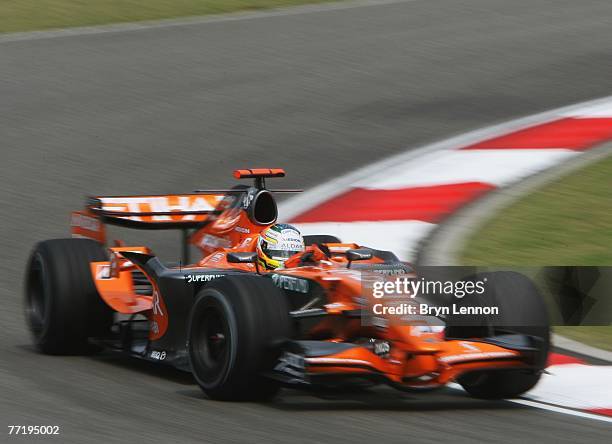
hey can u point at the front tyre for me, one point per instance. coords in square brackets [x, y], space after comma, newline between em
[318, 239]
[236, 328]
[522, 311]
[63, 308]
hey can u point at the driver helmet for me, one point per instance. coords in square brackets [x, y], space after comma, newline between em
[277, 243]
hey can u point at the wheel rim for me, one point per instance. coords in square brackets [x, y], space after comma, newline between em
[212, 345]
[36, 300]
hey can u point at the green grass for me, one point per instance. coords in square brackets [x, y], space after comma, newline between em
[28, 15]
[600, 337]
[568, 222]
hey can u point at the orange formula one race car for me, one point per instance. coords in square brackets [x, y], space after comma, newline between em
[253, 315]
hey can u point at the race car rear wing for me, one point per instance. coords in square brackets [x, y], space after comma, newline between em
[156, 212]
[177, 211]
[180, 211]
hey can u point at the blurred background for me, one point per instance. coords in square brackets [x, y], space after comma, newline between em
[320, 91]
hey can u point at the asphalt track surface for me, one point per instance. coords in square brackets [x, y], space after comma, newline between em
[174, 108]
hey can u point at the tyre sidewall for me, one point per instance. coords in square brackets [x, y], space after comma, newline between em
[73, 310]
[258, 321]
[517, 296]
[211, 296]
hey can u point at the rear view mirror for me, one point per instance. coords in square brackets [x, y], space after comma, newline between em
[360, 254]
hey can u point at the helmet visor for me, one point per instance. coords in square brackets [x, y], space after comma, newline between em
[281, 254]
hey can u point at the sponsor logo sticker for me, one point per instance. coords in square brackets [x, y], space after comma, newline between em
[291, 283]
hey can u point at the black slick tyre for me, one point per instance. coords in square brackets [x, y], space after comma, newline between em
[62, 306]
[236, 328]
[522, 311]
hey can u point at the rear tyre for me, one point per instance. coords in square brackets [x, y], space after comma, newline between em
[236, 328]
[63, 307]
[320, 239]
[522, 310]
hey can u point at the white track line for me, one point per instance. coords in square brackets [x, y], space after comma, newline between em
[602, 110]
[549, 407]
[575, 386]
[552, 408]
[578, 347]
